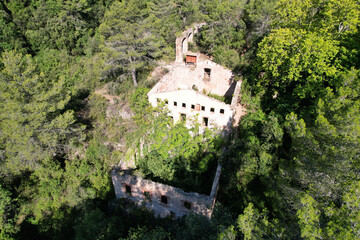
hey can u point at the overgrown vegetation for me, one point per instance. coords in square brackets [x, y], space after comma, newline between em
[291, 172]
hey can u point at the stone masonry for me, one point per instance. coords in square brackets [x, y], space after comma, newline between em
[164, 200]
[186, 86]
[184, 89]
[183, 40]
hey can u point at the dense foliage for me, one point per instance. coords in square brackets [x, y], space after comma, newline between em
[291, 170]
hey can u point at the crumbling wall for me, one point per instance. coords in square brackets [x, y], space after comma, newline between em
[219, 81]
[195, 106]
[183, 40]
[149, 193]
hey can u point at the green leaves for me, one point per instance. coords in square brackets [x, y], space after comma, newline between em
[309, 218]
[252, 224]
[332, 17]
[253, 154]
[168, 149]
[11, 37]
[34, 122]
[129, 44]
[7, 207]
[298, 61]
[344, 221]
[223, 17]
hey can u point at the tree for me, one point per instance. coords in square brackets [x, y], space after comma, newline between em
[332, 17]
[7, 214]
[63, 25]
[254, 154]
[129, 45]
[344, 221]
[142, 233]
[34, 121]
[309, 218]
[325, 155]
[298, 66]
[258, 17]
[11, 37]
[223, 36]
[252, 224]
[170, 148]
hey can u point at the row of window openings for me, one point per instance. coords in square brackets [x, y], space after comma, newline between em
[205, 119]
[222, 111]
[164, 199]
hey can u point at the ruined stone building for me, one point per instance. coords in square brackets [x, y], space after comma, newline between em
[189, 83]
[164, 200]
[186, 90]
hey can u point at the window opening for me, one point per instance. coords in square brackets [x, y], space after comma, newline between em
[175, 103]
[183, 117]
[192, 106]
[187, 205]
[202, 108]
[206, 121]
[164, 199]
[147, 196]
[184, 105]
[207, 73]
[197, 107]
[222, 111]
[212, 110]
[128, 189]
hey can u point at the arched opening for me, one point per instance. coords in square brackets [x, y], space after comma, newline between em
[190, 37]
[184, 46]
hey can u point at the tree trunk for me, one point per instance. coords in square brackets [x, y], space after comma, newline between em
[133, 72]
[133, 75]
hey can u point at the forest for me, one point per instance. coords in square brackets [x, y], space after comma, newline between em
[292, 170]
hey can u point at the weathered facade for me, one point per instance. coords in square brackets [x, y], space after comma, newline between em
[183, 40]
[164, 200]
[185, 88]
[185, 105]
[189, 81]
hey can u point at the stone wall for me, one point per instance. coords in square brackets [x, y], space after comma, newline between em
[183, 40]
[218, 82]
[152, 194]
[195, 106]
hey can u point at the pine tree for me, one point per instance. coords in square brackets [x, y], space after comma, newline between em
[129, 44]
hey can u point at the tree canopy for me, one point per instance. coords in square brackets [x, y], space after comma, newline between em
[73, 82]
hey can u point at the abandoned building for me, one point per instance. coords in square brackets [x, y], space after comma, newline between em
[185, 104]
[164, 200]
[186, 89]
[189, 84]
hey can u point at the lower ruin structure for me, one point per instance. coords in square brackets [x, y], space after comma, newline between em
[164, 200]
